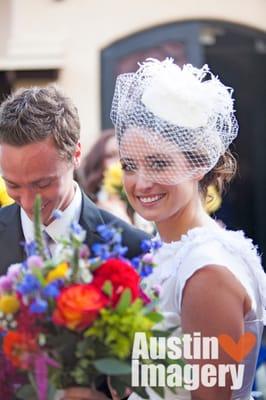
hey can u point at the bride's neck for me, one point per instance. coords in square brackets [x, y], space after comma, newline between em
[191, 216]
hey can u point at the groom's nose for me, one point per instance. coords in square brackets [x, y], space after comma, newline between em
[26, 200]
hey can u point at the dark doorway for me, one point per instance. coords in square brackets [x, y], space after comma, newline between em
[238, 56]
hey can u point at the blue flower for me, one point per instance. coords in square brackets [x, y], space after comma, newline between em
[101, 250]
[106, 232]
[119, 250]
[146, 270]
[156, 244]
[77, 231]
[57, 214]
[76, 227]
[117, 238]
[30, 248]
[136, 262]
[146, 245]
[29, 284]
[39, 306]
[52, 289]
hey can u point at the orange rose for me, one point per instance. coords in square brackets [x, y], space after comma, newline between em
[77, 306]
[19, 348]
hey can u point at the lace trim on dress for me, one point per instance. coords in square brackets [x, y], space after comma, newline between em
[233, 241]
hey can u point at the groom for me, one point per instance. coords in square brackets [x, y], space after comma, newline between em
[39, 151]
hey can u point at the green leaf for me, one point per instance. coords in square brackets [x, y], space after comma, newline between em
[38, 236]
[119, 386]
[108, 288]
[155, 317]
[26, 392]
[124, 301]
[51, 392]
[159, 390]
[141, 392]
[112, 366]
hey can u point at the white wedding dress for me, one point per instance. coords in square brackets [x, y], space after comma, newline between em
[178, 261]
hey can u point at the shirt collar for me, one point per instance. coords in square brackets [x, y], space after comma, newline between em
[59, 227]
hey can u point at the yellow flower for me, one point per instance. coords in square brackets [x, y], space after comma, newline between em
[112, 181]
[5, 200]
[9, 304]
[58, 272]
[213, 200]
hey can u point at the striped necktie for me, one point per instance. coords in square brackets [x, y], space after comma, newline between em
[49, 243]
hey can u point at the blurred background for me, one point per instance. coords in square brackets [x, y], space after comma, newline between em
[83, 44]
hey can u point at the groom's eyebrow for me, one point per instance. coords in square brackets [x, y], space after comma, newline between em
[32, 183]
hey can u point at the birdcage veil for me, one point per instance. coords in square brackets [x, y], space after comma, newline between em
[174, 122]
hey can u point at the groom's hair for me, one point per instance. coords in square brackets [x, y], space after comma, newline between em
[34, 114]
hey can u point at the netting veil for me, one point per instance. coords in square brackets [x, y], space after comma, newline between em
[172, 123]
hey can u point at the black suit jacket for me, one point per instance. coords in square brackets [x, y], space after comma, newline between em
[11, 234]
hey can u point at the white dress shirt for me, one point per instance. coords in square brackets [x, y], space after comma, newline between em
[57, 228]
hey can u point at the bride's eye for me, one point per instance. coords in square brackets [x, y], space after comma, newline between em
[128, 166]
[159, 164]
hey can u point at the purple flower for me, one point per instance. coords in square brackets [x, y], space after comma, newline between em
[147, 258]
[35, 261]
[157, 289]
[10, 379]
[84, 251]
[5, 284]
[14, 271]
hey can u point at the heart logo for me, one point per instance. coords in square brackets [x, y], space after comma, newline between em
[239, 350]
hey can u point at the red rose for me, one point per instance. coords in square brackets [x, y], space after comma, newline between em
[121, 275]
[77, 306]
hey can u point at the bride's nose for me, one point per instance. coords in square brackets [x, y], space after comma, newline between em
[143, 183]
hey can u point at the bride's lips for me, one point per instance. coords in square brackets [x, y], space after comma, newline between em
[150, 200]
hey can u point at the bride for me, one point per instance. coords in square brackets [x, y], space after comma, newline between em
[174, 126]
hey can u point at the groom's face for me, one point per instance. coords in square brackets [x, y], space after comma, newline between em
[37, 168]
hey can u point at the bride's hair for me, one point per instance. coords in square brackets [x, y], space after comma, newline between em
[220, 175]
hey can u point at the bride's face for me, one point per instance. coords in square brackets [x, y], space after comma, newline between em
[148, 169]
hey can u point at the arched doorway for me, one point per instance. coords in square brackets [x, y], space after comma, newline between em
[238, 55]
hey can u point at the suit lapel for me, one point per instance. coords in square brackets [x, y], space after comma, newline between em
[90, 218]
[11, 237]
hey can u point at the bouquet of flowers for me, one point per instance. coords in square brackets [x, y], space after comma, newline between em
[70, 319]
